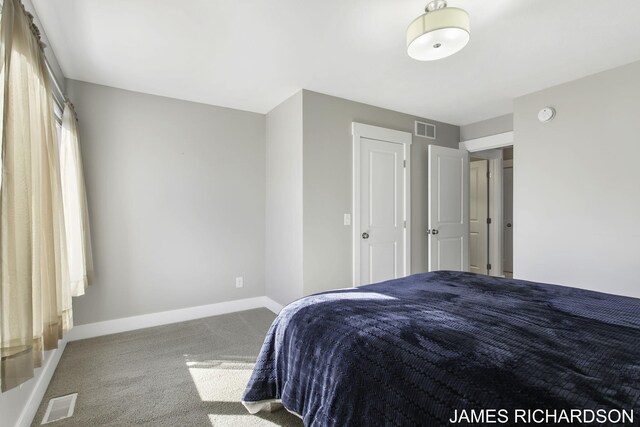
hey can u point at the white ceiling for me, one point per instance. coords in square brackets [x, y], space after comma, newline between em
[253, 54]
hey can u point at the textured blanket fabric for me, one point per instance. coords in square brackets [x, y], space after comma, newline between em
[412, 351]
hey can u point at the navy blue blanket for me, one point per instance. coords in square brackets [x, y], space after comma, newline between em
[440, 348]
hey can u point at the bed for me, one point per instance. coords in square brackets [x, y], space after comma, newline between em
[449, 347]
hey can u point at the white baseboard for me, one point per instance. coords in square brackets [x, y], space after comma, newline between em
[272, 305]
[115, 326]
[42, 377]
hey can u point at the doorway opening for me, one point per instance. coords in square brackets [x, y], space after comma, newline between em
[479, 215]
[491, 212]
[507, 209]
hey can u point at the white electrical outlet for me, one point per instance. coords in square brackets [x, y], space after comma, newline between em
[239, 282]
[347, 219]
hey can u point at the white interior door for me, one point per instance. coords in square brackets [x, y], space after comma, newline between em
[382, 216]
[508, 218]
[478, 215]
[448, 188]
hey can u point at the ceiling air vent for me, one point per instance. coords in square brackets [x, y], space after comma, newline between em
[60, 408]
[425, 130]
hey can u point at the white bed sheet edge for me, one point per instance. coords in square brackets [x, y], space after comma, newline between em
[267, 404]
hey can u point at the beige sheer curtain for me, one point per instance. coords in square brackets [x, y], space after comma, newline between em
[75, 204]
[35, 300]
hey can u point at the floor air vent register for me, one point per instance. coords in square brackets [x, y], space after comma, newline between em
[60, 408]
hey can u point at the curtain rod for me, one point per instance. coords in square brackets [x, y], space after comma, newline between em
[58, 95]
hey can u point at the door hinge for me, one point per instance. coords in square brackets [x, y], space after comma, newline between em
[488, 220]
[404, 163]
[489, 175]
[488, 266]
[405, 224]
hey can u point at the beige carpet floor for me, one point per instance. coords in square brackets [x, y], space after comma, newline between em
[185, 374]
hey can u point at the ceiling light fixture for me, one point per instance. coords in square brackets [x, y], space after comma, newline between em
[440, 32]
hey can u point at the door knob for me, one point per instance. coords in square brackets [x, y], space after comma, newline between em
[434, 231]
[365, 235]
[508, 225]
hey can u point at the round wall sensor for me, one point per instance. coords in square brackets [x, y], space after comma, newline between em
[546, 114]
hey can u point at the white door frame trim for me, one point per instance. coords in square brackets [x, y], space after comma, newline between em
[361, 130]
[499, 140]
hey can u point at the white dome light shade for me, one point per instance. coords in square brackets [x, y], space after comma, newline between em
[438, 33]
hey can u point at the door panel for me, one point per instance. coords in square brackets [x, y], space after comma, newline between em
[448, 209]
[478, 214]
[382, 265]
[382, 210]
[451, 253]
[383, 194]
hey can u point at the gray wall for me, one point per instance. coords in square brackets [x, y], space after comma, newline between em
[283, 250]
[487, 127]
[328, 189]
[576, 184]
[177, 202]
